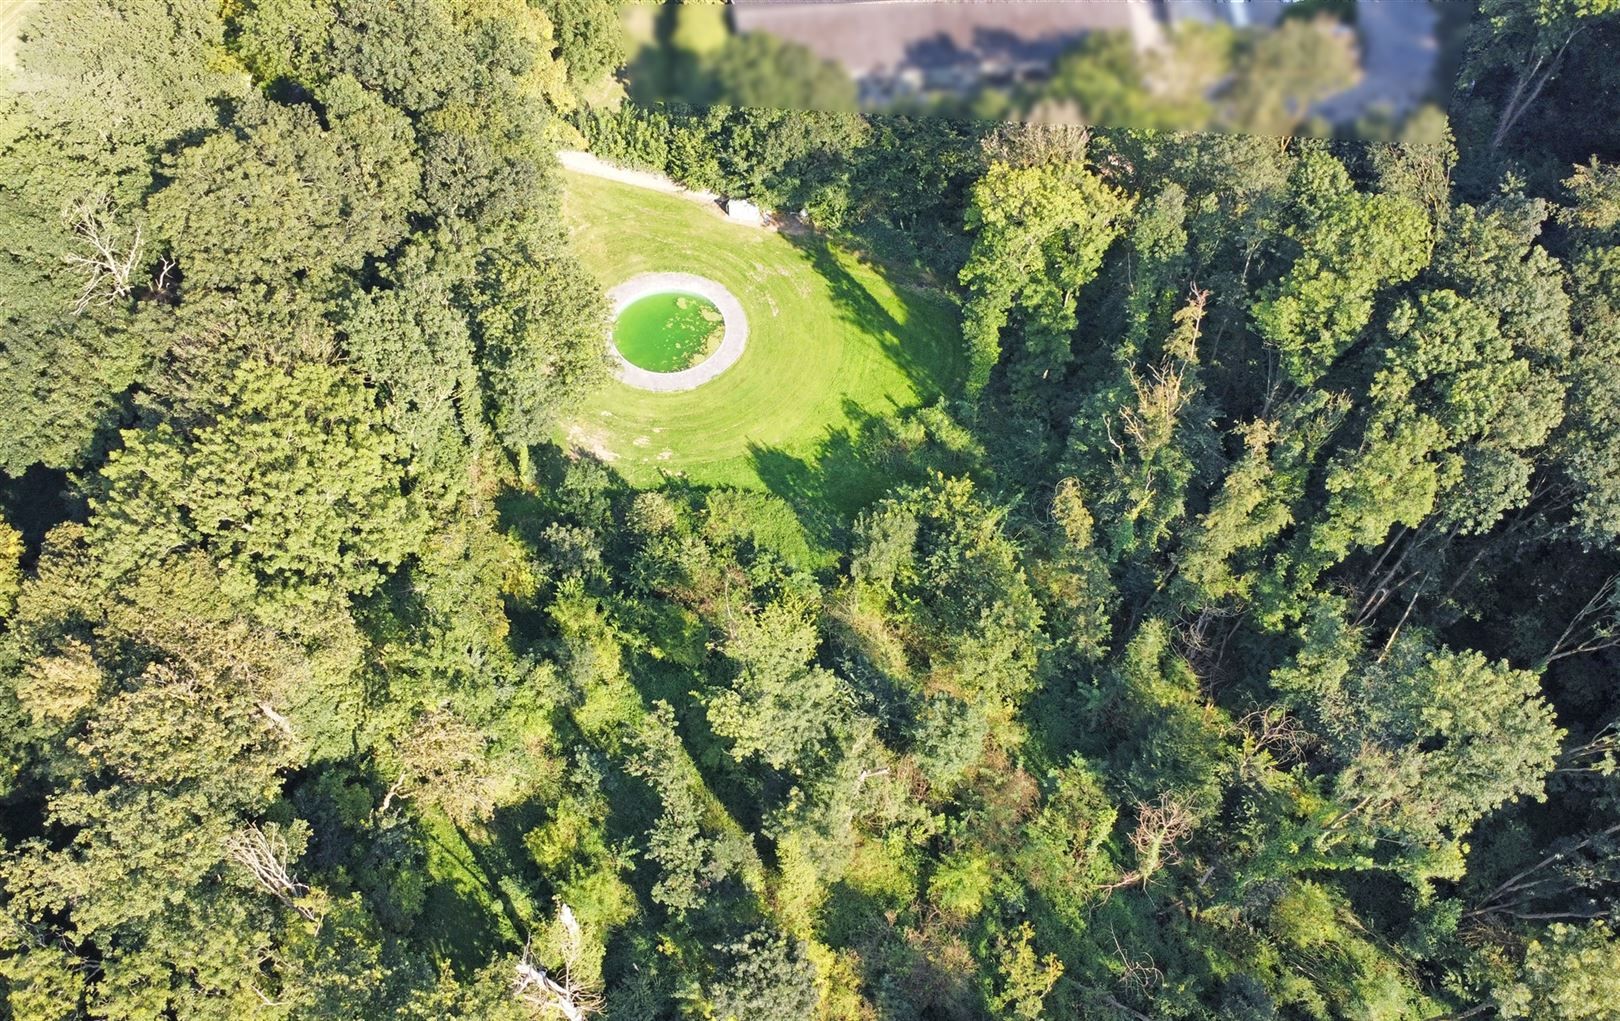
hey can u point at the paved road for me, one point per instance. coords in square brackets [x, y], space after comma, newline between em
[1401, 49]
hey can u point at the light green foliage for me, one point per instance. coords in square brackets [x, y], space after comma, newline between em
[957, 587]
[415, 349]
[43, 982]
[1595, 191]
[1573, 974]
[295, 488]
[780, 707]
[172, 718]
[1350, 246]
[1171, 737]
[11, 573]
[1025, 977]
[103, 88]
[948, 738]
[1346, 971]
[1158, 241]
[1589, 447]
[1393, 479]
[1451, 359]
[406, 51]
[961, 884]
[1040, 232]
[123, 78]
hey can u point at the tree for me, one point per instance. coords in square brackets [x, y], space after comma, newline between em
[1348, 246]
[1134, 444]
[1025, 978]
[760, 70]
[539, 320]
[590, 38]
[687, 859]
[765, 974]
[120, 78]
[11, 572]
[1531, 38]
[295, 488]
[1040, 231]
[956, 587]
[1425, 741]
[1279, 76]
[1256, 501]
[281, 199]
[780, 707]
[1569, 974]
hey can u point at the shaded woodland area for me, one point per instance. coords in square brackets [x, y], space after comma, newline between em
[1240, 642]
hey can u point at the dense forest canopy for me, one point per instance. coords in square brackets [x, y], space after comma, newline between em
[1240, 642]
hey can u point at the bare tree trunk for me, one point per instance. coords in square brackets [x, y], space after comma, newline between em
[266, 857]
[109, 266]
[1518, 103]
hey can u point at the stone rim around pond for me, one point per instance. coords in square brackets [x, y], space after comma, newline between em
[732, 342]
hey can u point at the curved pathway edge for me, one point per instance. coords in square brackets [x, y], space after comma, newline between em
[732, 343]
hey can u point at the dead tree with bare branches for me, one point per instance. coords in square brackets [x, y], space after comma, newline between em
[267, 858]
[558, 992]
[107, 261]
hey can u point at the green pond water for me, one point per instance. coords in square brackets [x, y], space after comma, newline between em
[668, 332]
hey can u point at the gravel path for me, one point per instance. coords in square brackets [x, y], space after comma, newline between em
[586, 163]
[724, 357]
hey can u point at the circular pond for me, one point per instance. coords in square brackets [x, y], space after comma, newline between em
[668, 332]
[674, 331]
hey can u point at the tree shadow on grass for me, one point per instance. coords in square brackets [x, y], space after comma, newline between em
[916, 351]
[856, 465]
[829, 486]
[464, 914]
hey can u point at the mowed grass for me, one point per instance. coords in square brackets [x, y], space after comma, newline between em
[832, 341]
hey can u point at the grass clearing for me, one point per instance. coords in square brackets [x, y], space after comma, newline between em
[832, 341]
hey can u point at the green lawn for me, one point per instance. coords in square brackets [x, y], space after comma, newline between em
[832, 341]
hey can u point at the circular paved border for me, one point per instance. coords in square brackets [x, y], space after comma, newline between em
[724, 356]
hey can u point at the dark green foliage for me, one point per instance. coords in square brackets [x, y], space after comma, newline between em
[1241, 647]
[590, 39]
[764, 975]
[295, 488]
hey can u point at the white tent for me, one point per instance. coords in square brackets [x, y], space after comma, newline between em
[744, 211]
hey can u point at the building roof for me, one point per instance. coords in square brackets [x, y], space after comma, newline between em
[877, 38]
